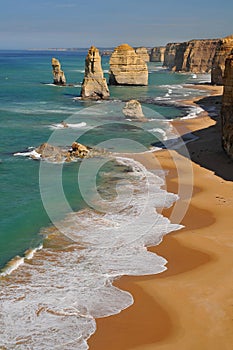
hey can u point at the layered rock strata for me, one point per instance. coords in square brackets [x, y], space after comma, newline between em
[227, 108]
[133, 110]
[142, 52]
[223, 50]
[94, 84]
[157, 54]
[58, 75]
[127, 68]
[194, 56]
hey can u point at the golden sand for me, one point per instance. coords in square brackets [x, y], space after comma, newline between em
[189, 306]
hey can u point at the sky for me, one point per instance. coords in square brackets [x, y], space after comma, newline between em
[26, 24]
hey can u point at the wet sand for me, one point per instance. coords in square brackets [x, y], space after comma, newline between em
[189, 306]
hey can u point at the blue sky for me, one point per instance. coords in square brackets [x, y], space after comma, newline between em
[104, 23]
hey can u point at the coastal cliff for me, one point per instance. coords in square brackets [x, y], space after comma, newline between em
[142, 52]
[127, 68]
[227, 108]
[223, 50]
[157, 54]
[194, 56]
[58, 74]
[94, 84]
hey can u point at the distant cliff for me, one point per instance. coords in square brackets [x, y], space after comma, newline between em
[142, 52]
[194, 56]
[157, 54]
[223, 50]
[227, 108]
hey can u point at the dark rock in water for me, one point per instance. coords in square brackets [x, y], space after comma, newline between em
[58, 74]
[94, 84]
[227, 108]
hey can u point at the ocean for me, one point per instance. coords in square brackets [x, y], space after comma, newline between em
[67, 230]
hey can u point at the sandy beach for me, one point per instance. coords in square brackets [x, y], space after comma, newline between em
[189, 306]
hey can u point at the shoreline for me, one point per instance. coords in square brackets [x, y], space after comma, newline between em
[189, 305]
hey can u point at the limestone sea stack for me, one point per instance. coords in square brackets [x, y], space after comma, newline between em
[142, 52]
[157, 54]
[127, 68]
[223, 50]
[58, 75]
[227, 108]
[133, 110]
[94, 85]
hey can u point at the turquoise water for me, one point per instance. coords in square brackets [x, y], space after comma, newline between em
[104, 205]
[28, 107]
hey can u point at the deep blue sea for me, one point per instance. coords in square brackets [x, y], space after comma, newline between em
[90, 219]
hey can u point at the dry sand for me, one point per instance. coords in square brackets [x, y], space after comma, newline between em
[189, 306]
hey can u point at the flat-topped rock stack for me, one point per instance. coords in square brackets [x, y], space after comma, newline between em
[58, 75]
[127, 68]
[227, 108]
[94, 84]
[223, 50]
[142, 52]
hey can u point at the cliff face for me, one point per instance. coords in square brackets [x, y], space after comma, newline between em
[157, 54]
[142, 52]
[169, 55]
[194, 56]
[94, 84]
[227, 108]
[127, 68]
[224, 49]
[58, 74]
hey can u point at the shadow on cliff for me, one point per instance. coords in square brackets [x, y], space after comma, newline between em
[207, 150]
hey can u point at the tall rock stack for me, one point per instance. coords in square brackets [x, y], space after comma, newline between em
[58, 75]
[142, 52]
[94, 84]
[224, 49]
[227, 108]
[157, 54]
[127, 68]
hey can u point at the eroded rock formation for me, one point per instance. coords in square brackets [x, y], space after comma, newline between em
[133, 110]
[157, 54]
[227, 108]
[142, 52]
[194, 56]
[94, 84]
[127, 68]
[58, 75]
[223, 50]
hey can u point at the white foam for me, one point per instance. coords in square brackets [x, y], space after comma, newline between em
[70, 125]
[32, 154]
[56, 296]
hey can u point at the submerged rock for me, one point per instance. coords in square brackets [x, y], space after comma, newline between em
[227, 108]
[133, 110]
[94, 84]
[127, 68]
[58, 75]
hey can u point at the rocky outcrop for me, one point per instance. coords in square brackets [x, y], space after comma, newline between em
[94, 84]
[133, 110]
[127, 68]
[169, 55]
[157, 54]
[58, 75]
[142, 52]
[223, 50]
[194, 56]
[227, 108]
